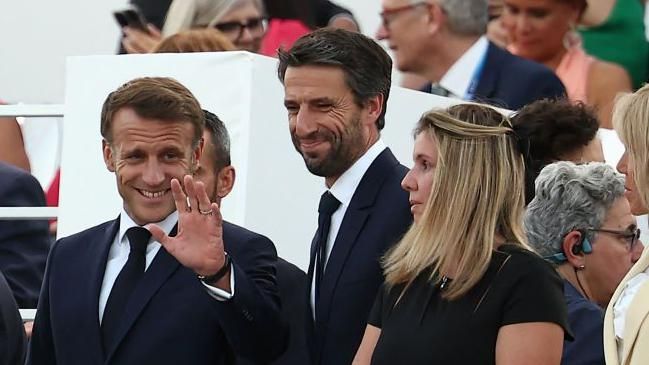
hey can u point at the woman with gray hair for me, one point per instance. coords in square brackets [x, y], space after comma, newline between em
[580, 220]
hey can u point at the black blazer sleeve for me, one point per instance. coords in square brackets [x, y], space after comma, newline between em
[24, 244]
[251, 320]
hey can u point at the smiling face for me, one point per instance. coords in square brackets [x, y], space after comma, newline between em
[419, 180]
[536, 28]
[145, 154]
[328, 128]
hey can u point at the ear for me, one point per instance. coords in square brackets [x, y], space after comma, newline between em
[225, 181]
[437, 18]
[571, 240]
[373, 109]
[197, 153]
[108, 155]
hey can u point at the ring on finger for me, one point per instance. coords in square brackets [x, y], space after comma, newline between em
[205, 212]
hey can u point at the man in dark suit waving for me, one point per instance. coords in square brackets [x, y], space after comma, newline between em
[444, 42]
[160, 284]
[336, 90]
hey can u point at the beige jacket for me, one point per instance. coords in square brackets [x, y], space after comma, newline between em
[635, 349]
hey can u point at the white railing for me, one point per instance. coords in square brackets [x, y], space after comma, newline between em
[32, 110]
[22, 213]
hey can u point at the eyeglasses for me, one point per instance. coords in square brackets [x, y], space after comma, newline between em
[631, 236]
[388, 15]
[234, 30]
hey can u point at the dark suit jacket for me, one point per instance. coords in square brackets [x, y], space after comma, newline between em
[511, 82]
[171, 319]
[291, 283]
[24, 244]
[12, 333]
[377, 216]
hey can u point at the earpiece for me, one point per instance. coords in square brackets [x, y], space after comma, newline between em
[584, 246]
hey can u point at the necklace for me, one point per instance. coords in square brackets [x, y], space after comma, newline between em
[445, 281]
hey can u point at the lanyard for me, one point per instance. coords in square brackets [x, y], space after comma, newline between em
[473, 85]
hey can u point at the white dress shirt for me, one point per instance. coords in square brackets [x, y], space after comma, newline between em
[343, 190]
[118, 255]
[457, 80]
[622, 305]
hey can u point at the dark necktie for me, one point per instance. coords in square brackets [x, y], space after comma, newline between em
[124, 285]
[328, 205]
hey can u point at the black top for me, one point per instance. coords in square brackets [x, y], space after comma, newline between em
[423, 328]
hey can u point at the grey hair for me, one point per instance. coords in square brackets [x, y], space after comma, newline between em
[466, 17]
[570, 197]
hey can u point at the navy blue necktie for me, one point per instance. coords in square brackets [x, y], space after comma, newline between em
[124, 285]
[328, 205]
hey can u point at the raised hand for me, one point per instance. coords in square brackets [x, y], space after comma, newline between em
[199, 242]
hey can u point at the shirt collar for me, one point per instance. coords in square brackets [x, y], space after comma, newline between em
[458, 78]
[343, 189]
[126, 222]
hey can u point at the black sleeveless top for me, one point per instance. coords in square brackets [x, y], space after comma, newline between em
[424, 328]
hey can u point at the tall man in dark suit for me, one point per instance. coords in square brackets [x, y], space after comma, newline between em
[336, 91]
[218, 175]
[24, 244]
[443, 41]
[163, 283]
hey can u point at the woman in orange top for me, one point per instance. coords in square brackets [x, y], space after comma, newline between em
[543, 31]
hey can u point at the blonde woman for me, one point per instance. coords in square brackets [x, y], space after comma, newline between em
[462, 286]
[626, 330]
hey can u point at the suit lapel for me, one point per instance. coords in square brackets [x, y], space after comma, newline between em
[490, 73]
[96, 260]
[353, 222]
[162, 266]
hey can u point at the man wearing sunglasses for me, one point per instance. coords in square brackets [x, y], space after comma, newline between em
[581, 222]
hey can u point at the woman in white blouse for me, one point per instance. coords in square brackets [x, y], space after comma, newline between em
[626, 332]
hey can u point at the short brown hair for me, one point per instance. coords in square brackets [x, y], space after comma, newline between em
[195, 40]
[160, 98]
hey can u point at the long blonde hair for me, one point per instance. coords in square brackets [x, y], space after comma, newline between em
[631, 122]
[477, 192]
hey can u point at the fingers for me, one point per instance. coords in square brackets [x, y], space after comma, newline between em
[190, 189]
[139, 41]
[202, 197]
[216, 213]
[158, 234]
[155, 32]
[179, 196]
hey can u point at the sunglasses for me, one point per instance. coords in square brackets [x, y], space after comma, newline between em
[256, 27]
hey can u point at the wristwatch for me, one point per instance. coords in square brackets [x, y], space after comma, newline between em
[211, 279]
